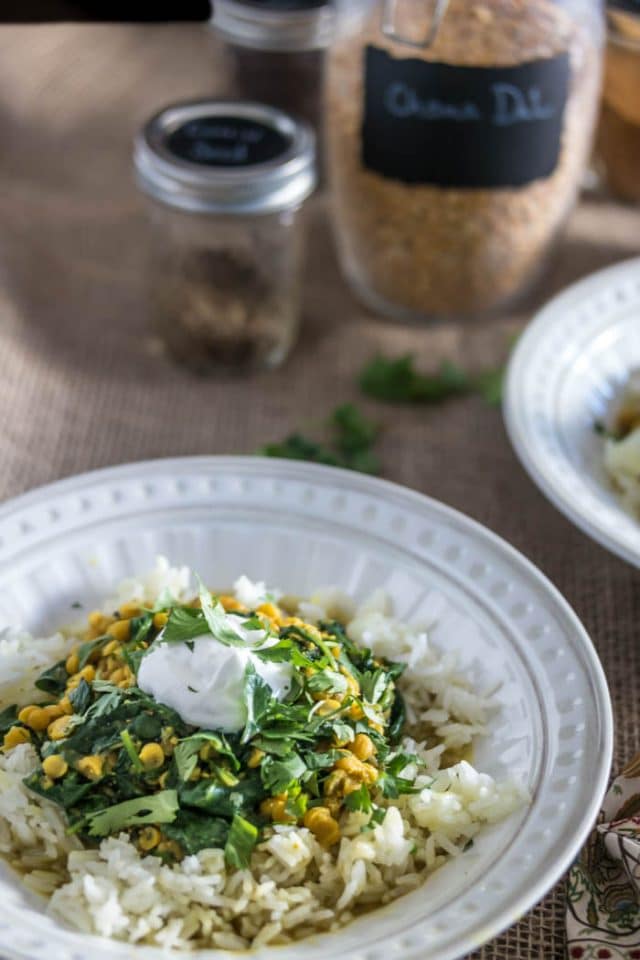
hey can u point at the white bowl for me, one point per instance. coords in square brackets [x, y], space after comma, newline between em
[300, 526]
[570, 362]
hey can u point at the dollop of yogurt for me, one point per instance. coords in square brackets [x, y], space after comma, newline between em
[203, 681]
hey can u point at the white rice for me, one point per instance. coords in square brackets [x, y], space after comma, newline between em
[294, 887]
[622, 463]
[622, 457]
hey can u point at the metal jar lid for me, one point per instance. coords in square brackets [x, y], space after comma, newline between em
[276, 25]
[221, 156]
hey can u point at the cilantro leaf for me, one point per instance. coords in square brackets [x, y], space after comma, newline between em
[217, 621]
[342, 732]
[327, 680]
[280, 774]
[285, 651]
[184, 623]
[185, 754]
[359, 799]
[139, 630]
[242, 838]
[257, 699]
[397, 381]
[164, 601]
[320, 761]
[298, 447]
[296, 804]
[354, 433]
[397, 717]
[159, 807]
[351, 437]
[373, 684]
[390, 780]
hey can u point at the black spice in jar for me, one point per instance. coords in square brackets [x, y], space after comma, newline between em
[277, 52]
[291, 81]
[218, 311]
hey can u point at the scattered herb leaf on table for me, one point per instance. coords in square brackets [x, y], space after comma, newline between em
[396, 380]
[350, 444]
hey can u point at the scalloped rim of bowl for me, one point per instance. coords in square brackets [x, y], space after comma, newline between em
[478, 563]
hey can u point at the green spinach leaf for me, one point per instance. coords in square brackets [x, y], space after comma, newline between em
[81, 698]
[54, 680]
[196, 831]
[86, 649]
[186, 753]
[8, 717]
[242, 838]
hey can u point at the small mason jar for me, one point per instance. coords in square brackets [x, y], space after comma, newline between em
[458, 133]
[226, 182]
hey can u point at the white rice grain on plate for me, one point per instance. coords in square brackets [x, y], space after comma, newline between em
[294, 887]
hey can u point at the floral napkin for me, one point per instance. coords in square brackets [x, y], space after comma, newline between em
[603, 895]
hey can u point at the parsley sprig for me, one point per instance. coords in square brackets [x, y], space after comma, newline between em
[349, 443]
[396, 380]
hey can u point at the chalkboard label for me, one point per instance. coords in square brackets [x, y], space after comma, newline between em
[226, 142]
[430, 122]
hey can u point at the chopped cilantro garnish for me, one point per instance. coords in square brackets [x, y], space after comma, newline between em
[159, 807]
[132, 762]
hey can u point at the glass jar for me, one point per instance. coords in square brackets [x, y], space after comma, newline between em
[226, 183]
[618, 144]
[458, 134]
[277, 52]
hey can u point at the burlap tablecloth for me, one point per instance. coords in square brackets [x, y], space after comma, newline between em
[82, 384]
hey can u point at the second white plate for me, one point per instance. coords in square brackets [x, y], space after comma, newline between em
[572, 359]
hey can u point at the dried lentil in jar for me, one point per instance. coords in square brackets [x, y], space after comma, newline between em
[457, 141]
[226, 182]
